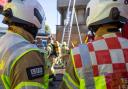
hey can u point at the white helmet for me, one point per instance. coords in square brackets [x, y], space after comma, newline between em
[25, 12]
[106, 11]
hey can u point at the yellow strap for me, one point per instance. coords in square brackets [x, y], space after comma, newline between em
[36, 49]
[70, 79]
[86, 40]
[82, 84]
[67, 84]
[46, 81]
[27, 84]
[14, 62]
[100, 82]
[2, 63]
[72, 57]
[72, 44]
[6, 81]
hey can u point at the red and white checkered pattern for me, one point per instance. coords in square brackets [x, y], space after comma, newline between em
[109, 54]
[77, 58]
[112, 51]
[101, 46]
[93, 58]
[124, 43]
[110, 35]
[75, 51]
[109, 57]
[106, 68]
[117, 55]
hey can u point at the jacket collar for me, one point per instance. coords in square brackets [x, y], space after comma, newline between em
[110, 35]
[22, 32]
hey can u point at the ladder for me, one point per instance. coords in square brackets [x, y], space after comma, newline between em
[69, 22]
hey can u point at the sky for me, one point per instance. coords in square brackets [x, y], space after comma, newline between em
[51, 13]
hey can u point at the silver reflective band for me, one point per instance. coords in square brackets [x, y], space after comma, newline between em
[87, 66]
[21, 48]
[69, 84]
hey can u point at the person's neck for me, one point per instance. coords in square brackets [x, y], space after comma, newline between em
[22, 32]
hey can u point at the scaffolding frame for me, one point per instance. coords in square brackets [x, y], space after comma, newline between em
[71, 12]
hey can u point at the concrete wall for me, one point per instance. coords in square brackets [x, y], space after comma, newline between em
[64, 3]
[74, 34]
[80, 16]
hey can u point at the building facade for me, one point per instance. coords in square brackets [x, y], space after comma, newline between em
[80, 8]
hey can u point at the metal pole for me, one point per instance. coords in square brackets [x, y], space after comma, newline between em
[78, 27]
[72, 16]
[65, 25]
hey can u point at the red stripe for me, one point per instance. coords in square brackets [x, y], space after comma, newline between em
[95, 70]
[78, 62]
[113, 43]
[103, 57]
[119, 67]
[90, 47]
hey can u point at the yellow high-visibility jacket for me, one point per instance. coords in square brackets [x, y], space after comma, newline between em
[102, 64]
[21, 63]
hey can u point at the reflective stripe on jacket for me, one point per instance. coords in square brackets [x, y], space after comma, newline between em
[102, 64]
[10, 53]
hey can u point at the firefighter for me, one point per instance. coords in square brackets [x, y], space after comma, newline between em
[39, 42]
[57, 51]
[103, 63]
[65, 53]
[57, 48]
[22, 65]
[50, 58]
[51, 54]
[64, 48]
[50, 47]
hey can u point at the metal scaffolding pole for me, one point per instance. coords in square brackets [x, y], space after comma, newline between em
[78, 28]
[69, 22]
[66, 24]
[70, 26]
